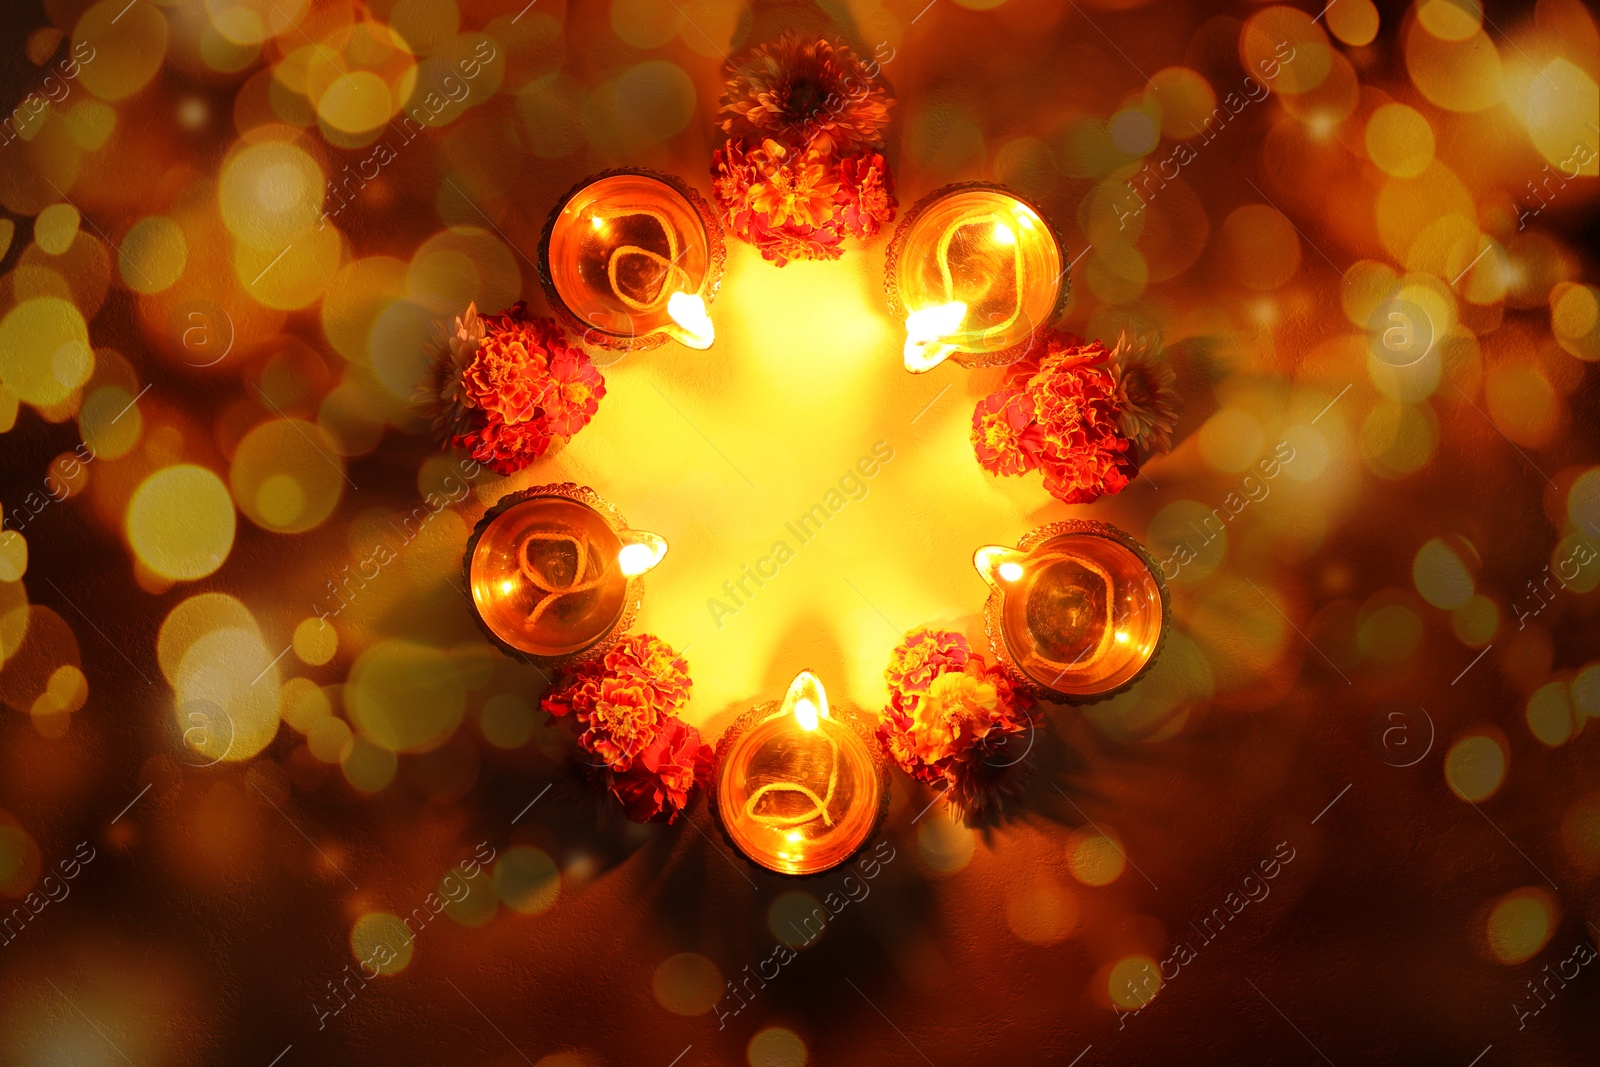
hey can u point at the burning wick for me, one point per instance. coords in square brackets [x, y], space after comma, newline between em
[688, 312]
[924, 350]
[640, 555]
[807, 701]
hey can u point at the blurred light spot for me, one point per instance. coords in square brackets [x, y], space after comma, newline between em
[1450, 20]
[110, 422]
[1231, 440]
[1262, 245]
[315, 641]
[507, 721]
[1550, 716]
[286, 476]
[129, 44]
[13, 556]
[1476, 621]
[1520, 923]
[154, 253]
[1475, 767]
[1353, 21]
[1185, 100]
[44, 350]
[381, 943]
[644, 23]
[302, 702]
[1440, 576]
[1041, 911]
[657, 97]
[1399, 140]
[527, 879]
[1093, 858]
[180, 522]
[404, 696]
[270, 194]
[1580, 832]
[944, 844]
[686, 984]
[369, 768]
[470, 901]
[56, 227]
[776, 1046]
[1134, 982]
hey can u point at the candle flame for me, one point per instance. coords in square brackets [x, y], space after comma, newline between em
[997, 564]
[924, 329]
[641, 552]
[806, 700]
[694, 327]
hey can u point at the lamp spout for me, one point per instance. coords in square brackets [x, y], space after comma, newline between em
[998, 565]
[925, 332]
[691, 323]
[641, 551]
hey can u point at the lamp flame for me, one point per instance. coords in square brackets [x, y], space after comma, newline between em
[924, 329]
[806, 700]
[692, 325]
[641, 551]
[999, 565]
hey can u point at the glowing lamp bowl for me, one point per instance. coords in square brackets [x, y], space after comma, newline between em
[630, 258]
[553, 574]
[973, 271]
[801, 785]
[1077, 612]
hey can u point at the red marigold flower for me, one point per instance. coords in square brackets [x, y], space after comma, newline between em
[921, 657]
[780, 199]
[622, 723]
[504, 387]
[660, 671]
[573, 697]
[505, 449]
[1004, 434]
[573, 394]
[804, 90]
[866, 194]
[964, 727]
[658, 784]
[1074, 433]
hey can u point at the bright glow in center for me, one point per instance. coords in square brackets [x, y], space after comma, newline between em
[1010, 570]
[924, 331]
[806, 700]
[640, 556]
[1003, 234]
[689, 312]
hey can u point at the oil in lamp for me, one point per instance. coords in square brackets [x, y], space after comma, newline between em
[554, 573]
[973, 269]
[801, 785]
[1076, 612]
[630, 258]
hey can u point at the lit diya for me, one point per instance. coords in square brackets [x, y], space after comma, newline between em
[801, 785]
[630, 258]
[1076, 612]
[554, 573]
[974, 270]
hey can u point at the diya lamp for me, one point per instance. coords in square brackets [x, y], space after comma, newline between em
[630, 258]
[1077, 611]
[554, 573]
[801, 784]
[974, 269]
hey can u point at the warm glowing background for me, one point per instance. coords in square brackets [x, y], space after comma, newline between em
[185, 299]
